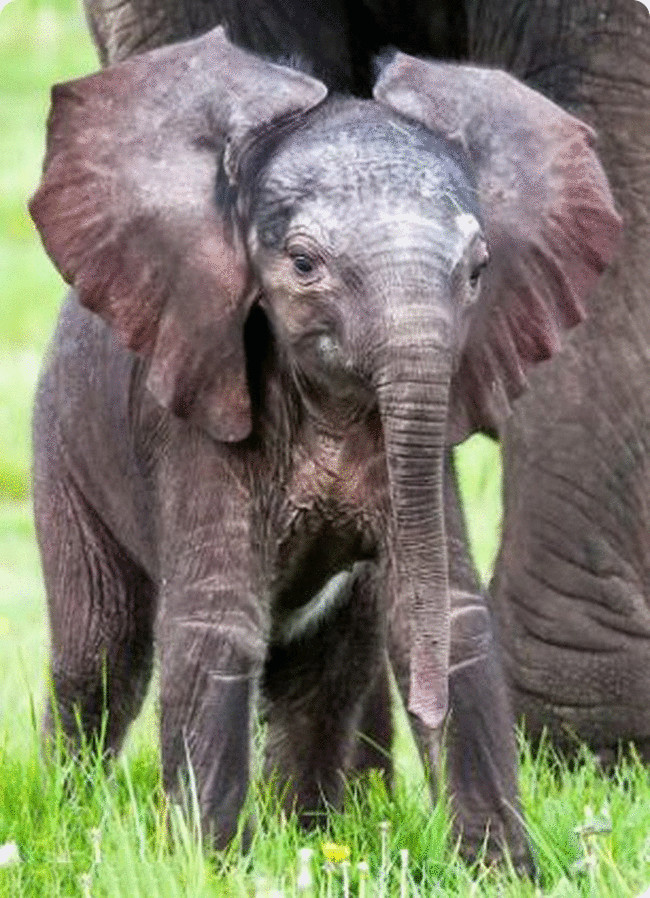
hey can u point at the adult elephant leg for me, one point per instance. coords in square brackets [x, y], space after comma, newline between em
[571, 585]
[134, 26]
[320, 33]
[479, 733]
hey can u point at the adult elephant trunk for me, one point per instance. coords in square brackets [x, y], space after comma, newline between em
[413, 402]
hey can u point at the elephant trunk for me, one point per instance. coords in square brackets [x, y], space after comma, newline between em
[413, 399]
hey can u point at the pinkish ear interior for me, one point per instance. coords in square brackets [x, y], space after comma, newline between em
[127, 211]
[548, 215]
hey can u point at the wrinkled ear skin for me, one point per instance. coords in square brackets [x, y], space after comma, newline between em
[548, 216]
[127, 211]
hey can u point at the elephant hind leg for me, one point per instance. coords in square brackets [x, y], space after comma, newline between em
[375, 730]
[315, 692]
[101, 608]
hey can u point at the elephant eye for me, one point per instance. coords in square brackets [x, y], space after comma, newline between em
[305, 258]
[480, 264]
[303, 264]
[475, 276]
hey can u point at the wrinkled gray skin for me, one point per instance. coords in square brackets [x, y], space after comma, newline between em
[570, 591]
[259, 483]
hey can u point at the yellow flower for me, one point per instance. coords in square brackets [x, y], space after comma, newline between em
[335, 853]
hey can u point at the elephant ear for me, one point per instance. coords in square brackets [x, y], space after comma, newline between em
[127, 211]
[548, 216]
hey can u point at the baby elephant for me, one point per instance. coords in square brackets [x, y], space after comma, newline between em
[285, 307]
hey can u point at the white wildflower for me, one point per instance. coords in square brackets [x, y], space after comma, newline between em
[9, 853]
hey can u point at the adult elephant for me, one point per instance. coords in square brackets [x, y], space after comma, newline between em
[572, 585]
[570, 589]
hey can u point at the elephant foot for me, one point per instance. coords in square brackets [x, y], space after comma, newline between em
[499, 844]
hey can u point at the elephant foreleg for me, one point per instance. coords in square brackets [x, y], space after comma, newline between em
[480, 740]
[207, 692]
[479, 731]
[481, 750]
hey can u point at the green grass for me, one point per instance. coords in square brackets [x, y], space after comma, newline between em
[81, 830]
[84, 830]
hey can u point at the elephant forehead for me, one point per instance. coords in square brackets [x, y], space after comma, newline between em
[380, 221]
[366, 197]
[350, 150]
[374, 223]
[387, 163]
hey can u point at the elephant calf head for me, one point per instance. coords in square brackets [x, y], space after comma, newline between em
[413, 254]
[128, 212]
